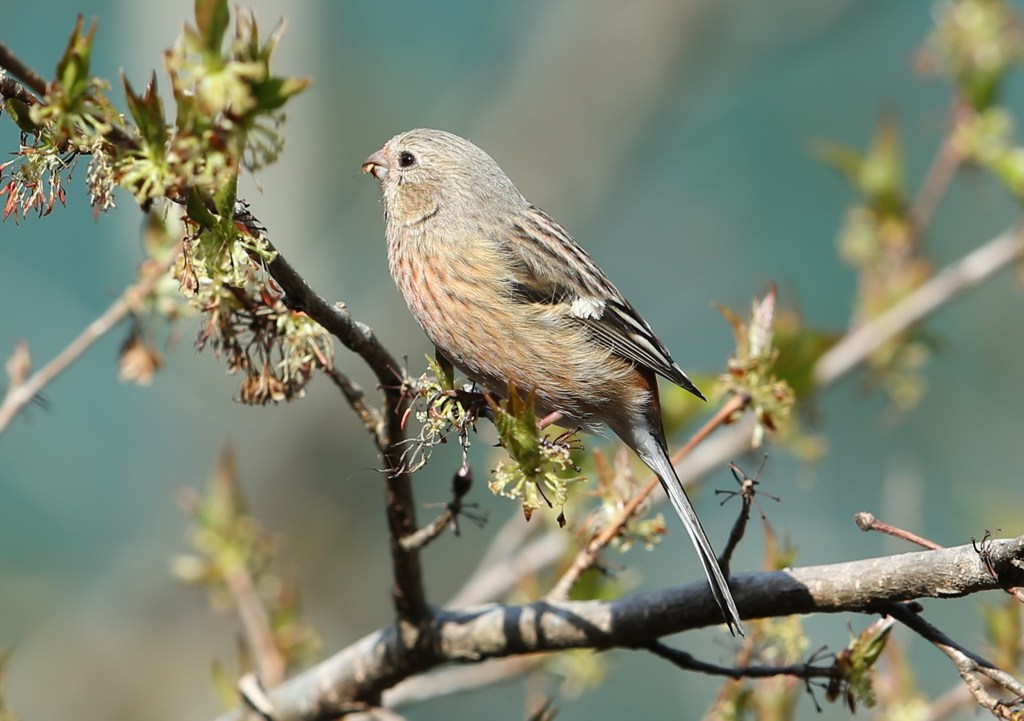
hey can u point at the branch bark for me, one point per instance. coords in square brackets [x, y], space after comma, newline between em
[362, 672]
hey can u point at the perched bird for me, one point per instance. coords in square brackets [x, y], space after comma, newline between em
[506, 294]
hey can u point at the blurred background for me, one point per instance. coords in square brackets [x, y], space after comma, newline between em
[672, 138]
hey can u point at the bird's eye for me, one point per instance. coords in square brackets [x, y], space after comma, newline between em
[405, 159]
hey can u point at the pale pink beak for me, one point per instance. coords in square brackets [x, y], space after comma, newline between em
[377, 165]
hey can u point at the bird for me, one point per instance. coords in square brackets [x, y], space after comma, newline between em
[507, 295]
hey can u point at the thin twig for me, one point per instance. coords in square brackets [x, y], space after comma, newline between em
[688, 662]
[356, 398]
[19, 396]
[970, 665]
[408, 592]
[748, 489]
[462, 481]
[868, 522]
[943, 168]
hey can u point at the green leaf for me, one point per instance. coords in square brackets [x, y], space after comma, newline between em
[198, 211]
[276, 91]
[225, 198]
[842, 158]
[73, 67]
[212, 18]
[148, 112]
[21, 115]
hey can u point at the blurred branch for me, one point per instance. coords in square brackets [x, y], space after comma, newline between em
[12, 64]
[460, 679]
[362, 672]
[964, 274]
[21, 394]
[256, 623]
[935, 184]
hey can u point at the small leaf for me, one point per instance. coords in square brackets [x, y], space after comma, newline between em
[20, 113]
[276, 91]
[212, 18]
[148, 112]
[224, 199]
[73, 67]
[198, 211]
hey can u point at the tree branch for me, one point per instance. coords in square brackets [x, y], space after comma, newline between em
[408, 592]
[971, 666]
[10, 62]
[20, 395]
[966, 273]
[688, 662]
[362, 672]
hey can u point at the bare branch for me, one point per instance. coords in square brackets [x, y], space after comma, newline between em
[19, 396]
[362, 672]
[688, 662]
[12, 64]
[356, 398]
[970, 665]
[868, 522]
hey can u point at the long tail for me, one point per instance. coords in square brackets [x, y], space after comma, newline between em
[650, 446]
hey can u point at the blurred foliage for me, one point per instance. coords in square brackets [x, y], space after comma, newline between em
[880, 241]
[6, 714]
[233, 555]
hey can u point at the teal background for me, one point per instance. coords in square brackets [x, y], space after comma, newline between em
[671, 138]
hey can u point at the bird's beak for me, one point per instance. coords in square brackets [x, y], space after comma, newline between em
[376, 165]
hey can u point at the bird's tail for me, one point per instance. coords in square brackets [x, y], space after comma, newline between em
[650, 446]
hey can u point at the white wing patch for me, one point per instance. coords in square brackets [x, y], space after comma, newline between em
[587, 308]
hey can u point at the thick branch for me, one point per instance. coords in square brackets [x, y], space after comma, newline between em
[363, 671]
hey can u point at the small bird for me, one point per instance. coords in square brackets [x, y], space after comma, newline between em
[506, 295]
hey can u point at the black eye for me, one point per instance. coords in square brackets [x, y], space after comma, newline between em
[405, 159]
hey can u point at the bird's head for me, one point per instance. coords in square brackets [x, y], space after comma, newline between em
[428, 173]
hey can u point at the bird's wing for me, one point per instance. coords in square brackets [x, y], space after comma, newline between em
[550, 267]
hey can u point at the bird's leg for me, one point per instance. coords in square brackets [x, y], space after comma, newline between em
[549, 420]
